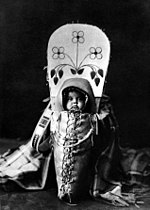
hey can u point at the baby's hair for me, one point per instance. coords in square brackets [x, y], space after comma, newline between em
[66, 91]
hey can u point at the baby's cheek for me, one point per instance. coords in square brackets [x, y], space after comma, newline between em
[81, 105]
[68, 105]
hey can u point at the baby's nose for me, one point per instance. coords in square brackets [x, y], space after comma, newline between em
[75, 100]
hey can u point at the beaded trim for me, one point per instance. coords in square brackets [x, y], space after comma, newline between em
[69, 159]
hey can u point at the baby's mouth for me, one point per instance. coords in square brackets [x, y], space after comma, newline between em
[75, 107]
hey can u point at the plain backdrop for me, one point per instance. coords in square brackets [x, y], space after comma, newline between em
[25, 27]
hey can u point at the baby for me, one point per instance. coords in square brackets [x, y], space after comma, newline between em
[72, 142]
[75, 99]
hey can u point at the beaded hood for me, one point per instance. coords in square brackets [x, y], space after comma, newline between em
[81, 84]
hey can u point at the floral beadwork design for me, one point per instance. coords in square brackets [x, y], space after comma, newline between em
[78, 37]
[58, 52]
[95, 53]
[76, 67]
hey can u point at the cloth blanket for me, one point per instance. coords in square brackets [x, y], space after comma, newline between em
[25, 166]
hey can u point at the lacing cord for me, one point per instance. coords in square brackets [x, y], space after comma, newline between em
[74, 121]
[71, 141]
[69, 159]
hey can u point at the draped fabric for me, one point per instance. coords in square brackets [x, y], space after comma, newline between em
[25, 167]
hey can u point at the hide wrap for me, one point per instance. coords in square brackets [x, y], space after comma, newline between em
[73, 141]
[72, 134]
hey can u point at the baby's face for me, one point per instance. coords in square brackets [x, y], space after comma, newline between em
[75, 99]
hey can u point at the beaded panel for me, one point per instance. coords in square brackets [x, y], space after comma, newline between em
[78, 51]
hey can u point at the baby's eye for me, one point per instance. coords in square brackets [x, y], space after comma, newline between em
[80, 99]
[69, 98]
